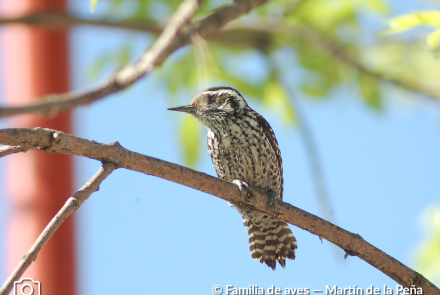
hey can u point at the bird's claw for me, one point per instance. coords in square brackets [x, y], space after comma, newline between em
[246, 191]
[244, 188]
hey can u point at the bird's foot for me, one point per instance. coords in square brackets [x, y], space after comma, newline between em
[273, 200]
[246, 191]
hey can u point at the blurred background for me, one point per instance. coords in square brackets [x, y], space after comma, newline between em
[352, 91]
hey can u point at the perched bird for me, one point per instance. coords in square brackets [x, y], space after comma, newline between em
[244, 151]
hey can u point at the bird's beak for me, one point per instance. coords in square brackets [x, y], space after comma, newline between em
[187, 108]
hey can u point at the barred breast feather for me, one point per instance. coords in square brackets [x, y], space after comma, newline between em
[245, 148]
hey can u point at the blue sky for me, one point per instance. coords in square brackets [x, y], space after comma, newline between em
[381, 170]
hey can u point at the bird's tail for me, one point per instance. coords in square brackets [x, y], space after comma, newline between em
[270, 240]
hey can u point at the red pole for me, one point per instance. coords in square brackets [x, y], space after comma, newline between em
[35, 62]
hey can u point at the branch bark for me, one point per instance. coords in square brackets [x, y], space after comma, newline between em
[52, 141]
[174, 36]
[61, 20]
[8, 150]
[72, 204]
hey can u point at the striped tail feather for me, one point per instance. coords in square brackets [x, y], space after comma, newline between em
[270, 240]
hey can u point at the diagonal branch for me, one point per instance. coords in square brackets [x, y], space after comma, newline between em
[172, 38]
[258, 35]
[254, 36]
[52, 141]
[330, 46]
[71, 205]
[52, 104]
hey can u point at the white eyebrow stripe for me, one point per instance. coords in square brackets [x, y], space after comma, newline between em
[222, 91]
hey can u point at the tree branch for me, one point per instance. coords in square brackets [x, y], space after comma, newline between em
[52, 141]
[259, 35]
[330, 46]
[52, 104]
[169, 41]
[72, 204]
[253, 36]
[8, 150]
[61, 20]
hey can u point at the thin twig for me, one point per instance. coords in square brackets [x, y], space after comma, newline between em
[62, 20]
[52, 141]
[72, 204]
[200, 54]
[172, 38]
[340, 53]
[313, 157]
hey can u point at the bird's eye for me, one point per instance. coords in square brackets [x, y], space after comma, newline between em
[206, 98]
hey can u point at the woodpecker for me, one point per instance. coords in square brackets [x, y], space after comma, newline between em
[244, 151]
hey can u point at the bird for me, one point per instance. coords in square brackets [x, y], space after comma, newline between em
[244, 151]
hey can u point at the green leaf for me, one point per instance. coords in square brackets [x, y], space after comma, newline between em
[370, 91]
[325, 15]
[179, 71]
[124, 55]
[276, 96]
[93, 5]
[314, 91]
[429, 18]
[325, 71]
[378, 5]
[433, 40]
[117, 58]
[406, 22]
[98, 67]
[190, 138]
[427, 253]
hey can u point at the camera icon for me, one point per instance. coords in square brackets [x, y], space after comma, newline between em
[27, 287]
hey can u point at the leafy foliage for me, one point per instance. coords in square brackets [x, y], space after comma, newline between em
[275, 95]
[313, 31]
[93, 5]
[428, 259]
[190, 139]
[322, 44]
[370, 90]
[413, 20]
[117, 59]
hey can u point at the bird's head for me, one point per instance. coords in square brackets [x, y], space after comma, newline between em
[214, 103]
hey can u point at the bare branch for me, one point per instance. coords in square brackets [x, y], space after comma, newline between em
[52, 141]
[254, 36]
[62, 20]
[123, 78]
[72, 204]
[169, 41]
